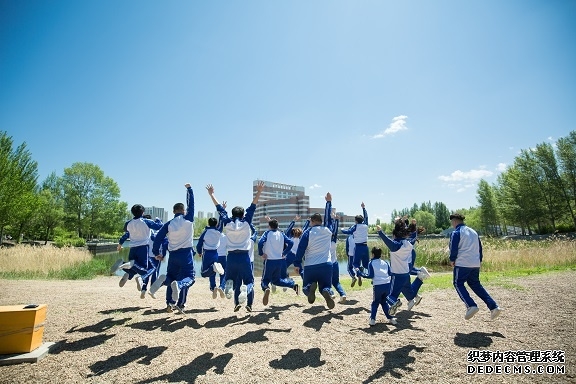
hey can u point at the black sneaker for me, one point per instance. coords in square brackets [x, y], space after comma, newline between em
[237, 308]
[359, 281]
[329, 299]
[266, 297]
[312, 293]
[248, 308]
[353, 282]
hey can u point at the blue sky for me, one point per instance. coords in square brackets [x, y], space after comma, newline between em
[387, 102]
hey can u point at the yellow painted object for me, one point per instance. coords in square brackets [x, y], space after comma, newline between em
[21, 329]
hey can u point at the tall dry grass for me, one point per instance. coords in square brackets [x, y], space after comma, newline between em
[40, 261]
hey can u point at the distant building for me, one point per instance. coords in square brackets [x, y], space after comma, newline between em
[156, 212]
[201, 214]
[283, 202]
[209, 215]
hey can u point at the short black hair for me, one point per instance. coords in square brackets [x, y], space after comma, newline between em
[317, 218]
[359, 219]
[137, 210]
[212, 222]
[273, 224]
[457, 216]
[237, 212]
[178, 207]
[376, 252]
[400, 229]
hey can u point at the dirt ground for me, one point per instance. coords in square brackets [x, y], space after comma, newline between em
[107, 334]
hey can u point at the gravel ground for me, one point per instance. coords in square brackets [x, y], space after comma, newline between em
[107, 334]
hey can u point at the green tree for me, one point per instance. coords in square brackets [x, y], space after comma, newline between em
[51, 213]
[426, 220]
[488, 211]
[566, 153]
[91, 200]
[442, 215]
[18, 176]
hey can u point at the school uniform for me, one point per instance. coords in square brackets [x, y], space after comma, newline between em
[314, 256]
[291, 256]
[238, 269]
[275, 244]
[334, 258]
[379, 272]
[222, 253]
[360, 233]
[350, 250]
[466, 253]
[138, 231]
[180, 275]
[400, 257]
[207, 246]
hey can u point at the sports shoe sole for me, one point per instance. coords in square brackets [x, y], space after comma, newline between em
[237, 308]
[123, 280]
[221, 292]
[417, 299]
[471, 312]
[175, 291]
[142, 294]
[353, 282]
[138, 283]
[312, 293]
[214, 293]
[359, 281]
[266, 297]
[329, 300]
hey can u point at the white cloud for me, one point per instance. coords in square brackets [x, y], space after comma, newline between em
[501, 167]
[550, 138]
[315, 186]
[398, 124]
[472, 175]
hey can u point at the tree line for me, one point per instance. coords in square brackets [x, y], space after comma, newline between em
[535, 195]
[82, 203]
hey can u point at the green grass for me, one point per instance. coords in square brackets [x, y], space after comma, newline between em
[443, 280]
[80, 271]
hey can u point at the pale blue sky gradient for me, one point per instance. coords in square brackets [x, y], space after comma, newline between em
[387, 102]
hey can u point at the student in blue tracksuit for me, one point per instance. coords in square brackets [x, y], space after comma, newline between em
[379, 272]
[411, 289]
[360, 233]
[465, 257]
[207, 248]
[180, 275]
[138, 230]
[294, 234]
[314, 250]
[335, 266]
[350, 250]
[400, 257]
[238, 231]
[156, 263]
[273, 246]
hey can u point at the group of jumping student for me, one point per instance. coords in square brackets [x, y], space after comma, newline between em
[227, 248]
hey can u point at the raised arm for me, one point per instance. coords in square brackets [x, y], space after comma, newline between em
[210, 189]
[259, 189]
[328, 211]
[364, 213]
[189, 203]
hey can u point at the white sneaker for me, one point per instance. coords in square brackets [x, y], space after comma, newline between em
[214, 293]
[411, 304]
[394, 308]
[143, 294]
[423, 274]
[393, 321]
[243, 295]
[180, 310]
[221, 292]
[218, 268]
[123, 280]
[228, 289]
[372, 322]
[156, 286]
[343, 299]
[127, 265]
[175, 291]
[495, 313]
[266, 297]
[417, 299]
[471, 312]
[138, 283]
